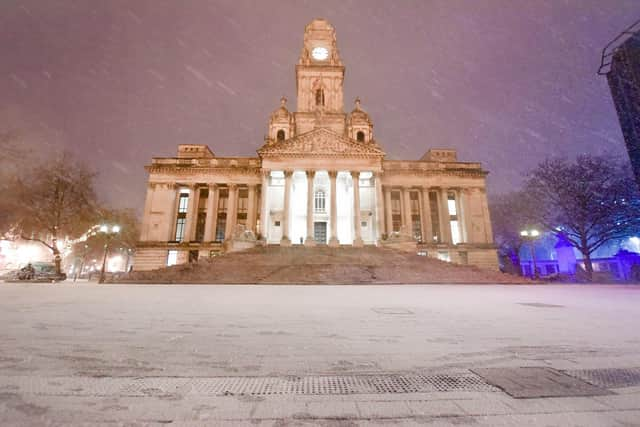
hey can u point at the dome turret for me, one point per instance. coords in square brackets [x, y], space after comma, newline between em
[359, 126]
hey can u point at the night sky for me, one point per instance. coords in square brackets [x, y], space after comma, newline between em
[506, 82]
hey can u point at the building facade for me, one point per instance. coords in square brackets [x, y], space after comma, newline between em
[621, 61]
[321, 178]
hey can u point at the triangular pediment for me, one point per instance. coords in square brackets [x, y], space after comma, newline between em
[320, 142]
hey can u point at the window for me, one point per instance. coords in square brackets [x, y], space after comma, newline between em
[320, 201]
[416, 227]
[396, 216]
[180, 228]
[320, 97]
[456, 232]
[360, 136]
[181, 220]
[414, 200]
[221, 226]
[183, 203]
[172, 258]
[202, 214]
[280, 135]
[435, 218]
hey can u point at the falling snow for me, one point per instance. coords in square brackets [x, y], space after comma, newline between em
[504, 83]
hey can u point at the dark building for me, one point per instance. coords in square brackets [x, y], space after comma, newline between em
[621, 65]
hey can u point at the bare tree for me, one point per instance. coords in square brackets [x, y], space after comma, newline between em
[53, 200]
[510, 214]
[591, 201]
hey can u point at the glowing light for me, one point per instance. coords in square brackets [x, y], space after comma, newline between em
[535, 233]
[524, 233]
[104, 228]
[115, 263]
[115, 228]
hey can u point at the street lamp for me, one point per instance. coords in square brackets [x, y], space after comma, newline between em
[110, 234]
[532, 235]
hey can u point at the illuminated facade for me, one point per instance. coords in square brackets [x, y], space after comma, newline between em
[321, 178]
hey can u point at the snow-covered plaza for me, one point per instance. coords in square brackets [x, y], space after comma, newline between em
[73, 353]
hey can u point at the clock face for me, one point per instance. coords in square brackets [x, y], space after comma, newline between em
[320, 53]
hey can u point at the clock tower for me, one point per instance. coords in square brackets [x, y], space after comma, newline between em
[319, 80]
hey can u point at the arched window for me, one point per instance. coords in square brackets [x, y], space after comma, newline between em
[319, 201]
[280, 135]
[320, 97]
[360, 136]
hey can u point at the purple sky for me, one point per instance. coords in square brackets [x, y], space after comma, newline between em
[119, 81]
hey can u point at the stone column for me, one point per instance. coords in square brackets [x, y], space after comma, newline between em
[174, 212]
[425, 216]
[286, 241]
[144, 233]
[357, 226]
[466, 201]
[309, 241]
[232, 204]
[212, 214]
[333, 241]
[252, 209]
[264, 214]
[406, 213]
[387, 210]
[460, 213]
[445, 225]
[379, 204]
[192, 213]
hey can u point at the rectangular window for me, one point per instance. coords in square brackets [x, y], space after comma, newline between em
[243, 200]
[242, 218]
[395, 202]
[221, 226]
[181, 219]
[172, 258]
[202, 219]
[223, 200]
[456, 233]
[416, 227]
[180, 228]
[319, 201]
[435, 223]
[183, 203]
[414, 199]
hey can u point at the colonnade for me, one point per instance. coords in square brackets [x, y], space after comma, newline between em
[333, 216]
[443, 233]
[382, 210]
[212, 210]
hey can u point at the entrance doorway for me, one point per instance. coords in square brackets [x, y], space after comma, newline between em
[320, 232]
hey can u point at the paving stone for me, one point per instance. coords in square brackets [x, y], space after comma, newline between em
[625, 401]
[333, 409]
[384, 410]
[435, 408]
[533, 382]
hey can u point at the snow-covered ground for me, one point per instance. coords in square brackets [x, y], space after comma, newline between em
[106, 331]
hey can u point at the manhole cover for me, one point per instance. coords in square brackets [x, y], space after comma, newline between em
[392, 310]
[609, 378]
[540, 305]
[538, 382]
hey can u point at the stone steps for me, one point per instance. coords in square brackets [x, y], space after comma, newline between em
[320, 265]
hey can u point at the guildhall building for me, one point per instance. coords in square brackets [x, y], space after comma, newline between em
[321, 178]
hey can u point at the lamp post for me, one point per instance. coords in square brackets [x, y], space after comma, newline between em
[110, 234]
[532, 235]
